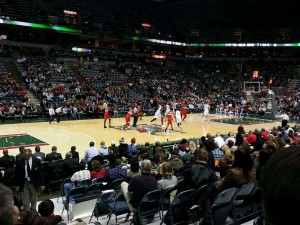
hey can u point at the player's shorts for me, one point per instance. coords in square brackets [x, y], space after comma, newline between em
[205, 113]
[157, 115]
[106, 117]
[127, 119]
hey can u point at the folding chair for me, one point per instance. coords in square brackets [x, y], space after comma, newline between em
[74, 193]
[149, 206]
[84, 183]
[222, 207]
[98, 180]
[61, 192]
[116, 185]
[165, 200]
[55, 178]
[93, 189]
[101, 207]
[244, 205]
[118, 207]
[176, 212]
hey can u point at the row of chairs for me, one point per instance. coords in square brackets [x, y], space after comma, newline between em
[238, 203]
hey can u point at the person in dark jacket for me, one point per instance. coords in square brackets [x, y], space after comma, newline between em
[139, 185]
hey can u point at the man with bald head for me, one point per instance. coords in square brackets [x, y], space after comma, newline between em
[29, 179]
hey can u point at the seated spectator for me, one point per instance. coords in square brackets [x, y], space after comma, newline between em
[6, 159]
[38, 154]
[176, 162]
[134, 170]
[70, 165]
[134, 157]
[280, 182]
[103, 149]
[75, 154]
[82, 174]
[168, 179]
[138, 186]
[46, 209]
[8, 211]
[116, 172]
[50, 156]
[98, 170]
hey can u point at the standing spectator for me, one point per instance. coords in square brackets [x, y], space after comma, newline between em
[38, 154]
[29, 178]
[240, 136]
[90, 152]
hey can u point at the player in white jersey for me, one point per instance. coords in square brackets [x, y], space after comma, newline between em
[206, 108]
[178, 117]
[158, 115]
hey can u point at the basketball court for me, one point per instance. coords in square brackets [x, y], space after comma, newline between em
[81, 132]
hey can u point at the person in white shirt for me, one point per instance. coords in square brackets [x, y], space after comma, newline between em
[51, 114]
[206, 108]
[157, 115]
[231, 136]
[219, 140]
[82, 174]
[103, 149]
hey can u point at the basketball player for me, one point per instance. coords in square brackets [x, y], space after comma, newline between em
[178, 116]
[107, 116]
[140, 111]
[127, 118]
[206, 108]
[183, 111]
[158, 115]
[169, 119]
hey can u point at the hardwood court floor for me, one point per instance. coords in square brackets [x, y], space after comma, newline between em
[81, 132]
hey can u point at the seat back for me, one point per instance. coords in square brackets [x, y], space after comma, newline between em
[165, 200]
[198, 193]
[244, 203]
[222, 206]
[93, 189]
[76, 192]
[116, 184]
[98, 180]
[182, 201]
[84, 183]
[247, 190]
[105, 198]
[150, 203]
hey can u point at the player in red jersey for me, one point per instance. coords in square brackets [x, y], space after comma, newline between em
[183, 111]
[127, 118]
[140, 111]
[107, 116]
[169, 118]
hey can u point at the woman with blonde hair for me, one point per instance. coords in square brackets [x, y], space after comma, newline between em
[168, 179]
